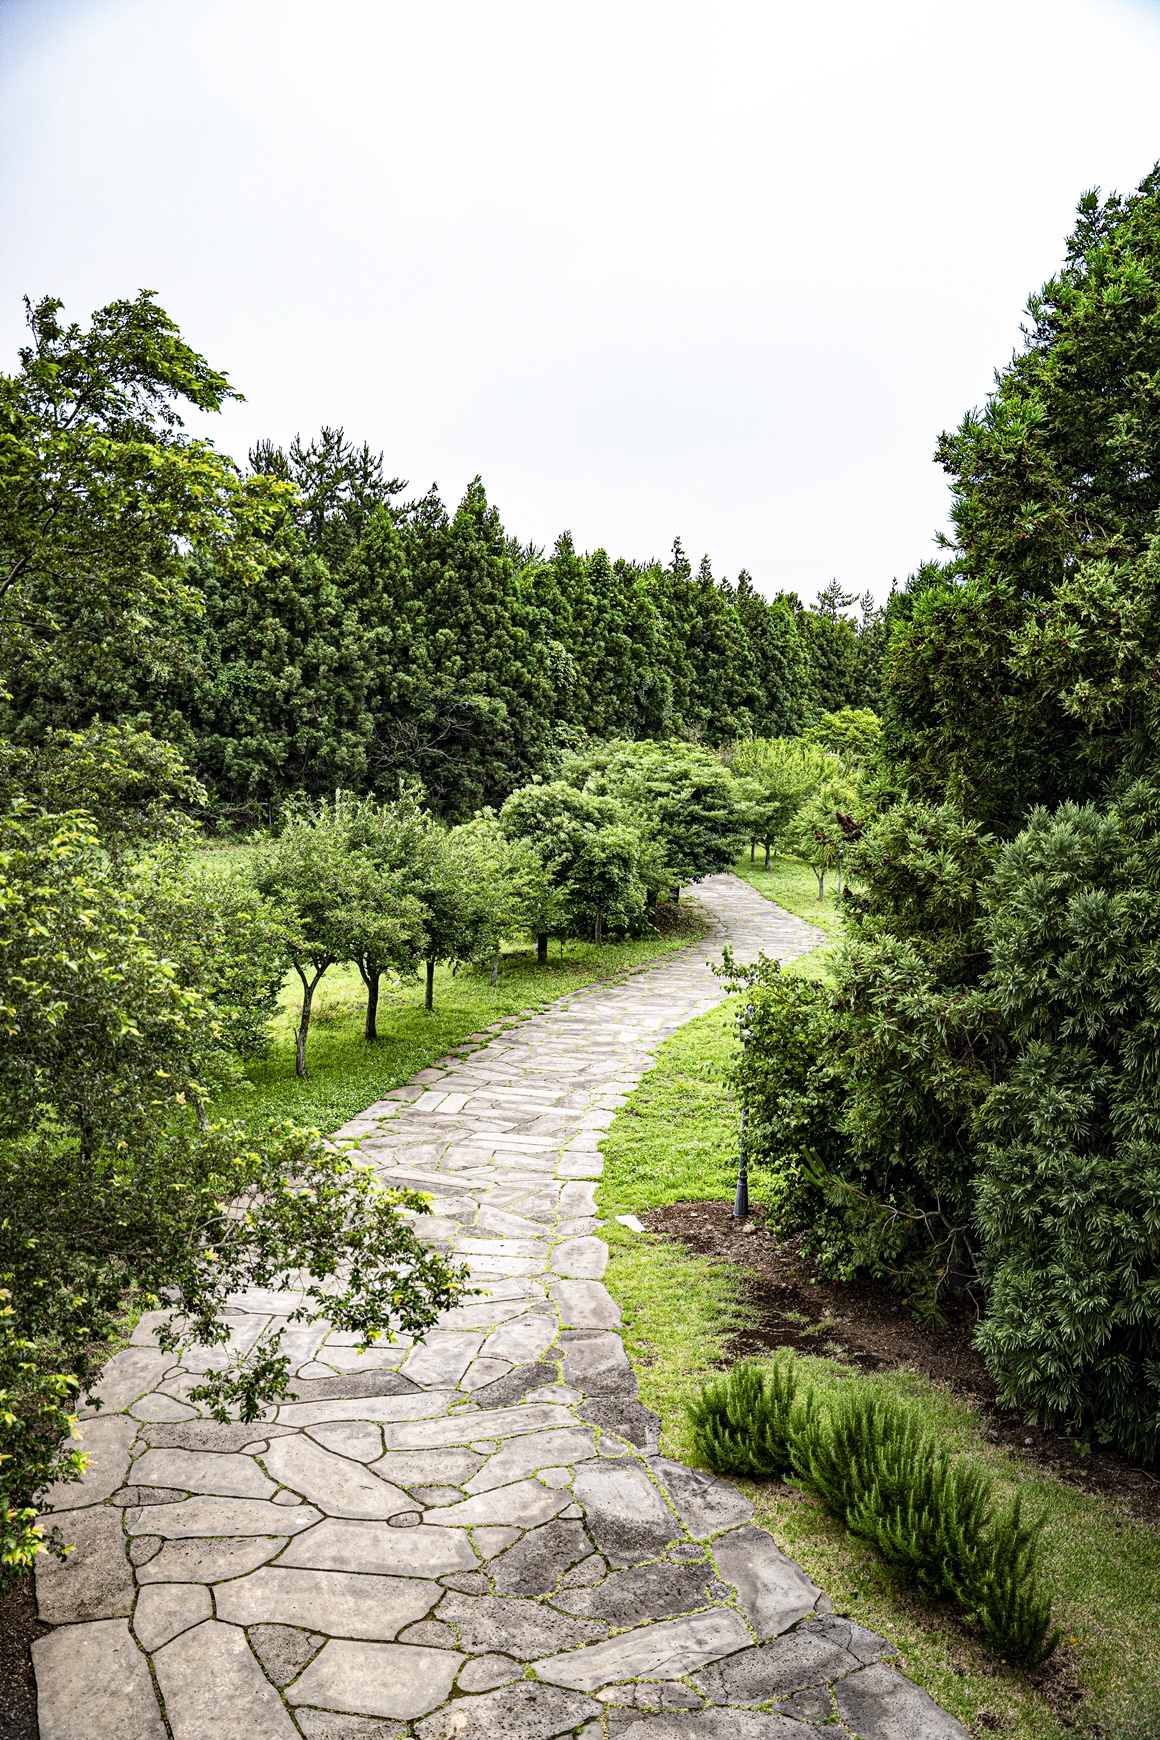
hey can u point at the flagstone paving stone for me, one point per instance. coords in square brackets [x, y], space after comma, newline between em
[419, 1527]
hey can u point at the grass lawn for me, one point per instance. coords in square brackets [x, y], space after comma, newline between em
[347, 1074]
[676, 1140]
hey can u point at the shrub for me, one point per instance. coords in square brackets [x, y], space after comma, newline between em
[742, 1423]
[1069, 1192]
[874, 1464]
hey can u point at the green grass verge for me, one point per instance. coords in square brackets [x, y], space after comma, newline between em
[347, 1074]
[675, 1140]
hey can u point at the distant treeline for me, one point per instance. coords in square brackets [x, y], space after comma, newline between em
[386, 640]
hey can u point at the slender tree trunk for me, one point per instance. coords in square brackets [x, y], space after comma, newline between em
[495, 968]
[767, 854]
[542, 949]
[821, 876]
[752, 850]
[309, 986]
[429, 997]
[370, 978]
[599, 928]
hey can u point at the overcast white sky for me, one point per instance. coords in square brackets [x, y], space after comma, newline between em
[723, 270]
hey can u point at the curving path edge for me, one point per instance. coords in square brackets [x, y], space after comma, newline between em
[474, 1537]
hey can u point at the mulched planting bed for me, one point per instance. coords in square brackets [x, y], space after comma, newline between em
[19, 1627]
[870, 1327]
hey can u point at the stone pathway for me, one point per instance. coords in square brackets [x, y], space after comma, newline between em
[472, 1537]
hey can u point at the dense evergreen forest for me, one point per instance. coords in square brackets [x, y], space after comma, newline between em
[377, 640]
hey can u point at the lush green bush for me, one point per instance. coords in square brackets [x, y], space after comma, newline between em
[679, 796]
[597, 864]
[1069, 1191]
[873, 1463]
[743, 1423]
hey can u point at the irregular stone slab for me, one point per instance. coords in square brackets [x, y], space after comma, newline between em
[340, 1545]
[511, 1626]
[164, 1610]
[359, 1406]
[484, 1672]
[534, 1565]
[215, 1690]
[283, 1650]
[321, 1383]
[96, 1580]
[813, 1705]
[218, 1435]
[517, 1385]
[626, 1515]
[220, 1516]
[704, 1504]
[209, 1561]
[416, 1467]
[133, 1372]
[880, 1704]
[93, 1680]
[588, 1571]
[360, 1439]
[667, 1650]
[522, 1456]
[442, 1359]
[228, 1476]
[335, 1602]
[335, 1484]
[327, 1725]
[578, 1164]
[482, 1372]
[813, 1655]
[482, 1316]
[490, 1541]
[661, 1591]
[467, 1428]
[577, 1199]
[714, 1725]
[580, 1259]
[595, 1362]
[772, 1591]
[159, 1406]
[528, 1711]
[628, 1419]
[522, 1340]
[524, 1504]
[377, 1679]
[585, 1304]
[106, 1442]
[432, 1632]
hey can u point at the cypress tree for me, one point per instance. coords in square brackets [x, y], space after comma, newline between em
[465, 700]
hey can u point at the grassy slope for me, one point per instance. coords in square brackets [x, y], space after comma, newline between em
[676, 1140]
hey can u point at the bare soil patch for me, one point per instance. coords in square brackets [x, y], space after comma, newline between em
[19, 1628]
[869, 1327]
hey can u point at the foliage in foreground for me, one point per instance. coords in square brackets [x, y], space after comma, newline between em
[875, 1466]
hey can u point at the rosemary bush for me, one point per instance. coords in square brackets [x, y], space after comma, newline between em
[873, 1462]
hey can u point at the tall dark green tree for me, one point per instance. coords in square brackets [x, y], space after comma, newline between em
[1056, 487]
[102, 497]
[463, 698]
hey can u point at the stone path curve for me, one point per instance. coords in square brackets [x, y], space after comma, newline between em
[474, 1537]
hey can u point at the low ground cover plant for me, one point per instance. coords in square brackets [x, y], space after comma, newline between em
[875, 1465]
